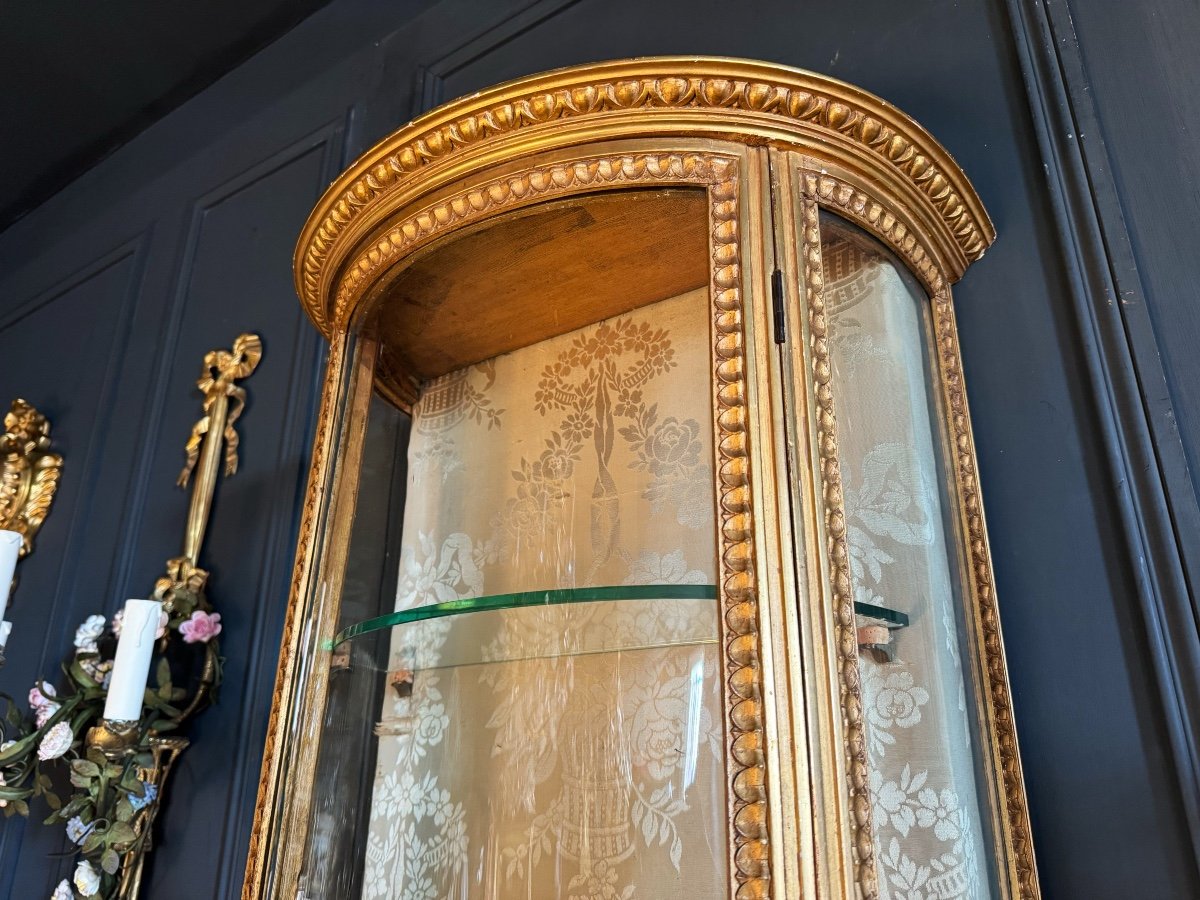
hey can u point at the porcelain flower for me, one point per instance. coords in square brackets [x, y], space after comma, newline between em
[56, 741]
[88, 633]
[119, 622]
[202, 627]
[41, 694]
[100, 671]
[149, 792]
[45, 711]
[63, 891]
[77, 831]
[87, 879]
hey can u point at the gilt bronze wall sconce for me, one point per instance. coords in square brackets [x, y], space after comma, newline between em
[180, 597]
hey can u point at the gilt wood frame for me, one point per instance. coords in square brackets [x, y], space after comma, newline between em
[815, 185]
[703, 164]
[649, 123]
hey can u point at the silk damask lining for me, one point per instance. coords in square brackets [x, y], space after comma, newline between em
[584, 461]
[548, 769]
[928, 826]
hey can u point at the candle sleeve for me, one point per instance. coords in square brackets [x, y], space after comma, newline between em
[132, 663]
[10, 549]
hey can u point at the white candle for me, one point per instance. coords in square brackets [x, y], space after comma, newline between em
[131, 665]
[10, 549]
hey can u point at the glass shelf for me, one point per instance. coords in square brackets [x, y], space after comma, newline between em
[561, 622]
[881, 615]
[506, 628]
[527, 599]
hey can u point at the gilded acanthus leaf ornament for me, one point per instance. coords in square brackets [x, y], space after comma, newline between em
[30, 472]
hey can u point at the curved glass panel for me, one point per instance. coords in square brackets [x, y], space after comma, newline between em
[929, 802]
[515, 735]
[525, 695]
[528, 599]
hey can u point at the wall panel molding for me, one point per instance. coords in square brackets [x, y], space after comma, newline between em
[78, 489]
[321, 140]
[430, 88]
[307, 353]
[252, 587]
[1146, 457]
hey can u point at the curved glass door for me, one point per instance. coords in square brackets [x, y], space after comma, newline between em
[525, 698]
[546, 744]
[928, 798]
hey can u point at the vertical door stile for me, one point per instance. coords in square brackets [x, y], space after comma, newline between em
[331, 542]
[831, 821]
[793, 657]
[786, 763]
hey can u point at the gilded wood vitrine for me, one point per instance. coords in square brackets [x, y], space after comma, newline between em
[643, 554]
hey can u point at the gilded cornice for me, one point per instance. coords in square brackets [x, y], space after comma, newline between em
[736, 100]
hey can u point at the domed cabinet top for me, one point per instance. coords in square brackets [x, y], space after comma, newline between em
[347, 240]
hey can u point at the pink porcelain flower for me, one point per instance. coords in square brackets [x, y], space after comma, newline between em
[202, 627]
[56, 742]
[45, 711]
[41, 694]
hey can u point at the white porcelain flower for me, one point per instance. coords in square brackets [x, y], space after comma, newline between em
[88, 633]
[56, 741]
[87, 879]
[77, 831]
[62, 891]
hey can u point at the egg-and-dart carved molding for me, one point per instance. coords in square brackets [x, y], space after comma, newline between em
[734, 95]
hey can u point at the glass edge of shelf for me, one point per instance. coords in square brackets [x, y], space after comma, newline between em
[525, 600]
[531, 599]
[893, 618]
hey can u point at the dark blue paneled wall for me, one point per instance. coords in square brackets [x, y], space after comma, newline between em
[111, 292]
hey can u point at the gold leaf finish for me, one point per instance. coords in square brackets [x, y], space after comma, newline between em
[739, 583]
[749, 858]
[224, 402]
[862, 842]
[655, 123]
[846, 200]
[677, 96]
[266, 814]
[998, 699]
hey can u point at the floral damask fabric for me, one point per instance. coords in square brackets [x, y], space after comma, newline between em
[566, 751]
[928, 826]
